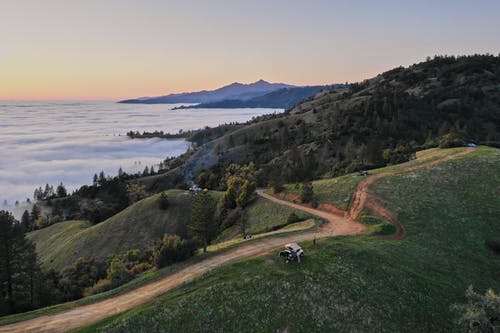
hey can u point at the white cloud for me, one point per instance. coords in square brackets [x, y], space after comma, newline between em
[48, 142]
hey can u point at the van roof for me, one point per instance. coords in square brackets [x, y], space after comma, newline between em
[293, 246]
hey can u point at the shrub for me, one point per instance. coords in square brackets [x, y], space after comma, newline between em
[494, 244]
[306, 192]
[118, 273]
[314, 203]
[386, 228]
[173, 249]
[481, 313]
[140, 267]
[163, 201]
[99, 287]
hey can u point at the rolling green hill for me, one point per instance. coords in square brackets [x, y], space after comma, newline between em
[139, 226]
[360, 283]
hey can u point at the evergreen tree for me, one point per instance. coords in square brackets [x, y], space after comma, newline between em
[202, 226]
[26, 221]
[35, 213]
[61, 191]
[19, 269]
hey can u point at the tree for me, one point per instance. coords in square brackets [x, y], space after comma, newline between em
[173, 249]
[118, 274]
[481, 313]
[120, 173]
[136, 192]
[19, 269]
[35, 213]
[306, 192]
[163, 201]
[26, 222]
[240, 185]
[61, 191]
[202, 224]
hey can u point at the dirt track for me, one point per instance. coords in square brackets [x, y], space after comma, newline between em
[92, 313]
[336, 225]
[364, 198]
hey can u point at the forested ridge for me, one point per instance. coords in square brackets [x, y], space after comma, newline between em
[445, 101]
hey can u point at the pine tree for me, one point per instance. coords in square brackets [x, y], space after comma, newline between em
[26, 221]
[61, 191]
[202, 224]
[19, 269]
[35, 213]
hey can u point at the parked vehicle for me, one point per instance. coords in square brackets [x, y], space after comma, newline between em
[292, 252]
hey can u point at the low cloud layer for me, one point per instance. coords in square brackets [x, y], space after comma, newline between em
[44, 142]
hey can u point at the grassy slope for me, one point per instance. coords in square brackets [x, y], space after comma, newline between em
[263, 216]
[357, 283]
[338, 191]
[135, 227]
[138, 226]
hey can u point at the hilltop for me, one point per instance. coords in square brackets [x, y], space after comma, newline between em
[234, 90]
[446, 101]
[283, 99]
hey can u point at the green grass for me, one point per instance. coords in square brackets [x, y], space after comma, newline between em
[338, 191]
[356, 284]
[139, 225]
[263, 216]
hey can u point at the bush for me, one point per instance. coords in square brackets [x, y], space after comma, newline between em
[314, 203]
[140, 267]
[494, 244]
[163, 201]
[101, 286]
[292, 218]
[306, 192]
[385, 228]
[118, 273]
[173, 249]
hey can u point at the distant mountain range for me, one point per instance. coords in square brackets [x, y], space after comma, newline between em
[238, 95]
[283, 98]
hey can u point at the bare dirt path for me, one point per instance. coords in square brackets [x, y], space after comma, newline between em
[92, 313]
[363, 197]
[336, 225]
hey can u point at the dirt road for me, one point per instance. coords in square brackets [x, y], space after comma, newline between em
[336, 225]
[92, 313]
[363, 197]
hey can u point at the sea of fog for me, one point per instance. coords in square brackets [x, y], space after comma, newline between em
[53, 142]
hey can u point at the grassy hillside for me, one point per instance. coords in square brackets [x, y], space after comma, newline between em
[337, 191]
[140, 226]
[357, 283]
[137, 226]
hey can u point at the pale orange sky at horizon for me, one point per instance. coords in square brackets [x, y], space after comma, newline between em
[56, 49]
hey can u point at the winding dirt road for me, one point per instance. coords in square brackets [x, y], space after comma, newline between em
[336, 225]
[92, 313]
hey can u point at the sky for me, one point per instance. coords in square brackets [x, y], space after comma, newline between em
[114, 49]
